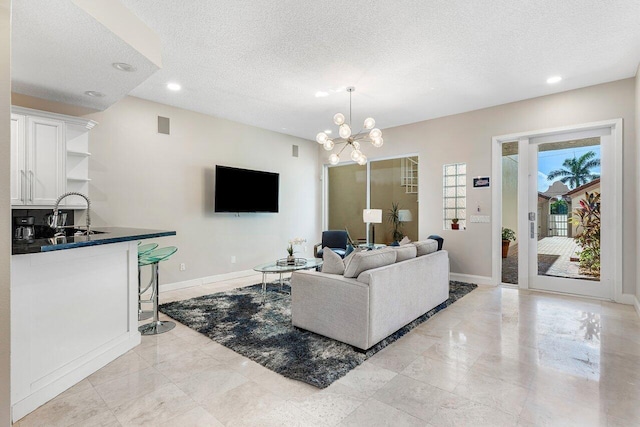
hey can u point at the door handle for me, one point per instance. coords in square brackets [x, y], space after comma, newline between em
[23, 187]
[533, 229]
[31, 187]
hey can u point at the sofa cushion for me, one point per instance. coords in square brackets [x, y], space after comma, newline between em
[426, 247]
[366, 260]
[332, 263]
[405, 241]
[405, 252]
[364, 277]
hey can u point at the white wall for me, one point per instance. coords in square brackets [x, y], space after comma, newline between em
[144, 179]
[637, 210]
[5, 210]
[467, 138]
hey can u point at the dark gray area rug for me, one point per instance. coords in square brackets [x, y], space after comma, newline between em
[238, 320]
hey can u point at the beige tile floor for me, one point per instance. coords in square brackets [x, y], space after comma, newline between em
[496, 357]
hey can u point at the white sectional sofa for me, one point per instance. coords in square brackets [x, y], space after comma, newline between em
[370, 304]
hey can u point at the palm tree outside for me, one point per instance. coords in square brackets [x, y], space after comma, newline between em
[577, 171]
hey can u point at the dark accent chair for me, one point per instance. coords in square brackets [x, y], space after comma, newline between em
[438, 239]
[335, 239]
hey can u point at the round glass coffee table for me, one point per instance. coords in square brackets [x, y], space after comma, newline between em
[281, 267]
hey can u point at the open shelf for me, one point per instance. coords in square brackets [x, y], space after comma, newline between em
[78, 153]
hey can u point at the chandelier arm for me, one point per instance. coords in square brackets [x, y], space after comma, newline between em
[350, 121]
[340, 152]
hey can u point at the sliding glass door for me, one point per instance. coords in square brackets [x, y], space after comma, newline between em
[390, 185]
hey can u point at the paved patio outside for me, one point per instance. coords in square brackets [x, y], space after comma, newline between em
[554, 259]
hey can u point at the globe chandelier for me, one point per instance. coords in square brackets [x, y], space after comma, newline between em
[368, 133]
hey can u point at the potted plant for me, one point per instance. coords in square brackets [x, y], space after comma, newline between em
[508, 235]
[454, 224]
[291, 259]
[393, 217]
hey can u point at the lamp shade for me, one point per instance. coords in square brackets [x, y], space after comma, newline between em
[404, 215]
[372, 215]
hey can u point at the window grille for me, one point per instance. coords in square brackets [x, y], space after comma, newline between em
[454, 194]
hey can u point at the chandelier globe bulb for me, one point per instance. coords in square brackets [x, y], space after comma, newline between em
[328, 145]
[321, 137]
[344, 131]
[369, 123]
[377, 142]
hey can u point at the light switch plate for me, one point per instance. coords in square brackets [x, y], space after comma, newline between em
[480, 218]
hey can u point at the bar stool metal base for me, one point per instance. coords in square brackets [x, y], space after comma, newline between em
[155, 328]
[144, 315]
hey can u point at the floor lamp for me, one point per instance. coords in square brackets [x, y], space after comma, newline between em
[372, 216]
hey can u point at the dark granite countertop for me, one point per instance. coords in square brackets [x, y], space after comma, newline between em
[103, 236]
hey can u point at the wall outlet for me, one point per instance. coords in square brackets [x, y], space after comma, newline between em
[233, 259]
[183, 266]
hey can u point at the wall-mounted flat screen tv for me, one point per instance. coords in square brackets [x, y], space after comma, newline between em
[244, 190]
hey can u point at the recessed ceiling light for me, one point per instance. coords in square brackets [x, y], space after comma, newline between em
[328, 131]
[123, 66]
[554, 79]
[174, 86]
[94, 93]
[321, 94]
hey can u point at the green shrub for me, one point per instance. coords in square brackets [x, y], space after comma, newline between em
[587, 218]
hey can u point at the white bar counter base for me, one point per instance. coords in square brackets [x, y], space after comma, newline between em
[73, 312]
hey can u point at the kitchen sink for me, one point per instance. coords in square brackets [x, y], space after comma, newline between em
[48, 232]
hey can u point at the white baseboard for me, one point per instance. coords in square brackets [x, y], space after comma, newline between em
[206, 280]
[628, 299]
[470, 278]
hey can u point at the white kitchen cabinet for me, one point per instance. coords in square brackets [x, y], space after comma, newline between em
[49, 156]
[45, 160]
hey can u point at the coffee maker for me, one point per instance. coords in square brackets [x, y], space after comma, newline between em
[24, 228]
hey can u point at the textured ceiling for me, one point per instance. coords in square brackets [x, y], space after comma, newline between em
[261, 62]
[58, 52]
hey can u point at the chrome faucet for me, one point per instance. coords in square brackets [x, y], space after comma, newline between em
[53, 223]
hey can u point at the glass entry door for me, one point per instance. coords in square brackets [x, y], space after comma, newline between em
[568, 216]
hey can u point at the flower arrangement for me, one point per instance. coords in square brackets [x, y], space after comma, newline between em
[294, 242]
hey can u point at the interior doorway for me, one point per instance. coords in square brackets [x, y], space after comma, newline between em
[568, 186]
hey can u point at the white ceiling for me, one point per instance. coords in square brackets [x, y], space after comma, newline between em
[59, 51]
[261, 62]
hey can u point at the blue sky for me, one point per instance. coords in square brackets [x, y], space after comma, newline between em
[552, 160]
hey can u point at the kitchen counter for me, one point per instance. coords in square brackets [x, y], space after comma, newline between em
[72, 311]
[103, 236]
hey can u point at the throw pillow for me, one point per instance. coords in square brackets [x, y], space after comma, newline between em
[426, 247]
[349, 257]
[405, 241]
[368, 260]
[405, 252]
[331, 262]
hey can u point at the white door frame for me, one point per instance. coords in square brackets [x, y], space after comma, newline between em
[541, 136]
